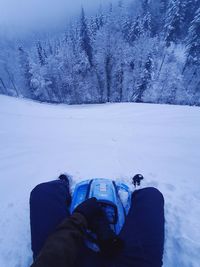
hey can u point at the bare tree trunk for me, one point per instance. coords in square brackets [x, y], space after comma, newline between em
[184, 68]
[121, 84]
[163, 60]
[3, 84]
[190, 81]
[198, 86]
[100, 84]
[108, 77]
[10, 76]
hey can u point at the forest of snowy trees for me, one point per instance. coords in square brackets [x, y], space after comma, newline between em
[146, 51]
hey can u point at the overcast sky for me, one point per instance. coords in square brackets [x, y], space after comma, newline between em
[27, 12]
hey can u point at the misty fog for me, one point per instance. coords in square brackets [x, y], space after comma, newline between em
[26, 14]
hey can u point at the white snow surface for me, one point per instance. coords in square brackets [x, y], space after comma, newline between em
[40, 141]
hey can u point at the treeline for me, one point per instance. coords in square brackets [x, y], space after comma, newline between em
[148, 51]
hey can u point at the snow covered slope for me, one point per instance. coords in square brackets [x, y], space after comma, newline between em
[39, 141]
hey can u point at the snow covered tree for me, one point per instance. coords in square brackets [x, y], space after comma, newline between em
[192, 65]
[174, 20]
[99, 20]
[147, 20]
[24, 62]
[145, 6]
[41, 54]
[179, 15]
[163, 6]
[189, 8]
[85, 40]
[136, 30]
[167, 87]
[115, 55]
[145, 78]
[193, 41]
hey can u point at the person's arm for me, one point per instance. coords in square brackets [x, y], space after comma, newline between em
[62, 247]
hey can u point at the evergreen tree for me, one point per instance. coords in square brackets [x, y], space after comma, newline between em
[189, 9]
[126, 28]
[136, 30]
[192, 66]
[147, 20]
[193, 41]
[25, 69]
[174, 20]
[145, 78]
[163, 6]
[99, 19]
[145, 6]
[41, 53]
[85, 40]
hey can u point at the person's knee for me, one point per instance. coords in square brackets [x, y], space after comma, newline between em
[154, 191]
[150, 193]
[46, 186]
[37, 191]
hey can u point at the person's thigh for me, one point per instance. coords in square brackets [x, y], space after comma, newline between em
[48, 207]
[143, 232]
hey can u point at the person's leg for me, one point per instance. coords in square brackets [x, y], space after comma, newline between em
[48, 207]
[143, 232]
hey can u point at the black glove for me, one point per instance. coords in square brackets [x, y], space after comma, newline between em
[111, 247]
[109, 243]
[89, 209]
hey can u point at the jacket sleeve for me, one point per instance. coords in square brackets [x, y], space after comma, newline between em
[62, 247]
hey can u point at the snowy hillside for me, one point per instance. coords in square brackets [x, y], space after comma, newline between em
[39, 141]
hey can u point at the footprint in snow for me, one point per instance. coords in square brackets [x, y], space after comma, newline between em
[10, 205]
[170, 187]
[152, 184]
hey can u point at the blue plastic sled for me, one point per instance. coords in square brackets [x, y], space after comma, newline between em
[114, 197]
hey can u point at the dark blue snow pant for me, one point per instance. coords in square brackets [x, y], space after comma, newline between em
[143, 231]
[48, 207]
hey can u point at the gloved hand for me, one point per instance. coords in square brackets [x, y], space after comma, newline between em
[90, 209]
[109, 243]
[111, 247]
